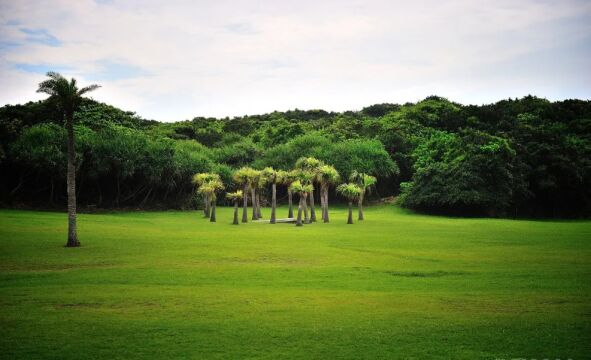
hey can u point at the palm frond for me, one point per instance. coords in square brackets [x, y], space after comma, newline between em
[351, 191]
[88, 89]
[237, 195]
[55, 76]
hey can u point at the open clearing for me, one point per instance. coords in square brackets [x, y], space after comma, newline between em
[398, 285]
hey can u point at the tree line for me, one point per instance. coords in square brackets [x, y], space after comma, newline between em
[517, 157]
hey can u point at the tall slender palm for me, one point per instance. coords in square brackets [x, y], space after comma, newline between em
[210, 189]
[262, 183]
[67, 96]
[306, 178]
[288, 179]
[281, 178]
[311, 165]
[235, 198]
[351, 192]
[273, 177]
[254, 183]
[365, 182]
[242, 177]
[326, 176]
[302, 190]
[200, 179]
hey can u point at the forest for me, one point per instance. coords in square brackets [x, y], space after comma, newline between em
[526, 157]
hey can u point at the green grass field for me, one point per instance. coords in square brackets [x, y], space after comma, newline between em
[398, 285]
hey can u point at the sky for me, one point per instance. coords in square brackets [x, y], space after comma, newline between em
[174, 60]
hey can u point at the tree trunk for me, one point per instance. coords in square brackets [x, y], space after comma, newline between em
[312, 210]
[245, 204]
[205, 210]
[147, 197]
[306, 219]
[360, 204]
[71, 184]
[290, 199]
[322, 200]
[254, 204]
[326, 217]
[350, 220]
[207, 205]
[212, 218]
[299, 219]
[273, 203]
[235, 213]
[259, 215]
[20, 183]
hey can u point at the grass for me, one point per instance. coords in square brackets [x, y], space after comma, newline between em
[398, 285]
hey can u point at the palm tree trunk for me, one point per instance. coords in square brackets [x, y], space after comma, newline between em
[71, 184]
[245, 204]
[306, 219]
[322, 200]
[254, 203]
[235, 213]
[299, 219]
[259, 215]
[360, 205]
[312, 210]
[207, 206]
[290, 199]
[326, 217]
[212, 218]
[273, 203]
[350, 220]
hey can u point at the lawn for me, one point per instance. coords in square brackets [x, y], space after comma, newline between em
[398, 285]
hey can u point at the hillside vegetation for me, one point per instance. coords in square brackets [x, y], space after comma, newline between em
[522, 157]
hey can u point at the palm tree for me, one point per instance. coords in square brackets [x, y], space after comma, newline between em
[327, 175]
[273, 177]
[242, 177]
[235, 198]
[302, 190]
[288, 179]
[210, 189]
[311, 165]
[254, 183]
[365, 182]
[351, 192]
[200, 179]
[67, 96]
[282, 178]
[306, 177]
[263, 180]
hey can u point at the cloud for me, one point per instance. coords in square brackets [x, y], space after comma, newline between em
[41, 36]
[112, 70]
[179, 59]
[241, 28]
[41, 68]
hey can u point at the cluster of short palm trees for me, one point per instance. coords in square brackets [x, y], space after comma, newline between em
[308, 173]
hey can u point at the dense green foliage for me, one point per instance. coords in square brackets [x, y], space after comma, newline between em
[523, 157]
[397, 286]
